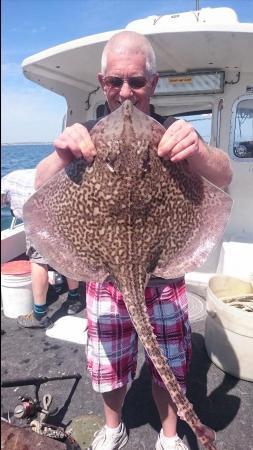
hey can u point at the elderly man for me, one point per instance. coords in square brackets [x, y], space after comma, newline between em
[128, 71]
[16, 188]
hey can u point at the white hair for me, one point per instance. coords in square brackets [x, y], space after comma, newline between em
[130, 42]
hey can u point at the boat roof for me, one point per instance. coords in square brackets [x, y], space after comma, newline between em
[182, 42]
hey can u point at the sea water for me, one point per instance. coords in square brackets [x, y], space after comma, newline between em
[20, 156]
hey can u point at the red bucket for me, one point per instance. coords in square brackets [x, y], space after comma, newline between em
[20, 267]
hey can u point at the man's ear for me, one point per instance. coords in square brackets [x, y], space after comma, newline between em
[154, 82]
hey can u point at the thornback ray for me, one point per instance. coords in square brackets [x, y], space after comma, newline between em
[128, 216]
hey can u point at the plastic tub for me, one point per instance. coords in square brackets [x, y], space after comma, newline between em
[229, 325]
[16, 288]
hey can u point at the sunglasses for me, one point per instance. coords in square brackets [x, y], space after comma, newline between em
[137, 82]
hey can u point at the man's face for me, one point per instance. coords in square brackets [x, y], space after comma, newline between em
[126, 66]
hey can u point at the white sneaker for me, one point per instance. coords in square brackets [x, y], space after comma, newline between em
[179, 445]
[113, 442]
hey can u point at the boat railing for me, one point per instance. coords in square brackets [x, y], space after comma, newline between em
[14, 223]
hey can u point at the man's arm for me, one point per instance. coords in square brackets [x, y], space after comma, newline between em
[182, 142]
[73, 142]
[212, 163]
[51, 165]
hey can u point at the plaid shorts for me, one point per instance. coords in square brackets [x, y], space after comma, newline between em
[112, 340]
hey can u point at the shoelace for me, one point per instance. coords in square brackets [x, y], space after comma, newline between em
[179, 445]
[28, 316]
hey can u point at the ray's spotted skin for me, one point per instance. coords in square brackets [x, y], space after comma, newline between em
[130, 215]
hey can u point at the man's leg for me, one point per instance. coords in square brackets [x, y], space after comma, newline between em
[113, 435]
[39, 283]
[73, 303]
[113, 402]
[109, 332]
[38, 318]
[167, 410]
[168, 438]
[72, 284]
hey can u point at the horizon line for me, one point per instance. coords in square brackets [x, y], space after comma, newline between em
[26, 143]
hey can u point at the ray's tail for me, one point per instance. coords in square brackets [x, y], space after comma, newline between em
[135, 303]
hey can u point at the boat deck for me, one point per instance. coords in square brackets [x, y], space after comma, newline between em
[221, 401]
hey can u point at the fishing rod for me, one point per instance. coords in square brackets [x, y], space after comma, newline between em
[37, 380]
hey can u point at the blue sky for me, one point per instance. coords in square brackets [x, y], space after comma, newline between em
[31, 113]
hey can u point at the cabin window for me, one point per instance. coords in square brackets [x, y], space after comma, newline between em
[201, 121]
[241, 139]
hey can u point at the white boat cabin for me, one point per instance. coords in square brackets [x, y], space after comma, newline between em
[205, 63]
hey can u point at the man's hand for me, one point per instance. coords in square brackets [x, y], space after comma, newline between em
[179, 142]
[76, 141]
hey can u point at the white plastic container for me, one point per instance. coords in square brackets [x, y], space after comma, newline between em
[229, 330]
[16, 289]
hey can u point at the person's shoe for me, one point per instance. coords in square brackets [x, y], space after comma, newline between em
[113, 442]
[178, 445]
[73, 305]
[30, 321]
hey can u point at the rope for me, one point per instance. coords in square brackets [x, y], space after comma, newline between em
[243, 302]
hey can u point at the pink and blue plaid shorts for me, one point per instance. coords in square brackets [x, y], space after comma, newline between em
[112, 340]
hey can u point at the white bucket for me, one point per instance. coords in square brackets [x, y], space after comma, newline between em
[229, 330]
[17, 296]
